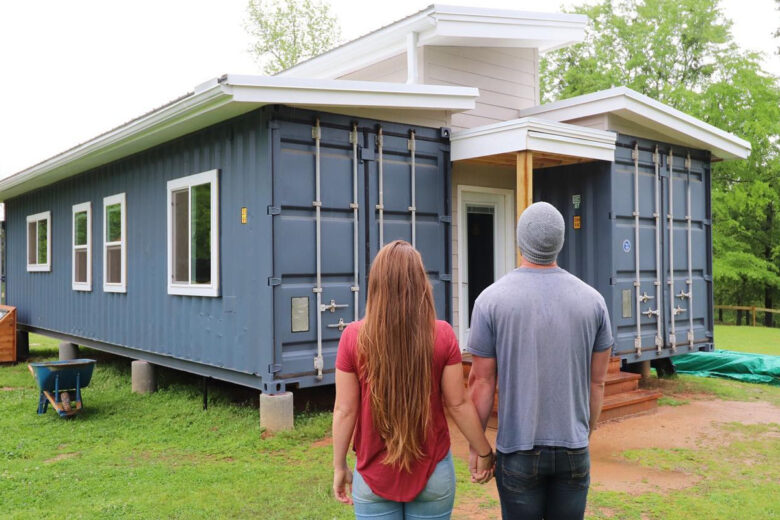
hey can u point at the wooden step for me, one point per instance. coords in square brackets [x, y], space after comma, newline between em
[621, 382]
[626, 404]
[614, 365]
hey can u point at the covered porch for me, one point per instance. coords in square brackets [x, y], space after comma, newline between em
[492, 182]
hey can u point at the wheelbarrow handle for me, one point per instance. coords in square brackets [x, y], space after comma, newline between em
[31, 369]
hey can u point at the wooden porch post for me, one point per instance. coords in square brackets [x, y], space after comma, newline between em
[524, 189]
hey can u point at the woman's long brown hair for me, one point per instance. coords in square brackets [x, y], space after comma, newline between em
[395, 351]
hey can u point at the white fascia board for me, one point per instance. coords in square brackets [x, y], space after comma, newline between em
[447, 25]
[535, 135]
[299, 91]
[648, 112]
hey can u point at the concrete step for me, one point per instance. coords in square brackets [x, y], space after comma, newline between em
[621, 382]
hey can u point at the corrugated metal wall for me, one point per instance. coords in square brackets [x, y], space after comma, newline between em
[603, 250]
[231, 331]
[266, 161]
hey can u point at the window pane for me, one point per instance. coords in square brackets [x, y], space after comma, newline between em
[114, 264]
[81, 266]
[42, 241]
[80, 227]
[181, 252]
[32, 258]
[201, 233]
[114, 223]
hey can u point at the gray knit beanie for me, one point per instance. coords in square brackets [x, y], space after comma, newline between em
[540, 233]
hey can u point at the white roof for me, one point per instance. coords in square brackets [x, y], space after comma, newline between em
[226, 97]
[531, 133]
[678, 127]
[450, 26]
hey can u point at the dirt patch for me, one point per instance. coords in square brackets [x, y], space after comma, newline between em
[697, 425]
[62, 456]
[327, 441]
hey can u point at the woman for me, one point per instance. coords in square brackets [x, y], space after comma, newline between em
[396, 371]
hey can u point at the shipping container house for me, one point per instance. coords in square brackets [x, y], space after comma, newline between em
[230, 232]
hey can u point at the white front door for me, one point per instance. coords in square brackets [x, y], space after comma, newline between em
[485, 245]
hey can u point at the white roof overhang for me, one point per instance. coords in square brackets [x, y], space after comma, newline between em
[221, 99]
[448, 25]
[646, 112]
[534, 134]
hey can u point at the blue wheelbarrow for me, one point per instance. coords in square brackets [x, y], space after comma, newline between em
[60, 383]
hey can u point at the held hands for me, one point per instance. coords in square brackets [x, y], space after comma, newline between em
[342, 484]
[481, 467]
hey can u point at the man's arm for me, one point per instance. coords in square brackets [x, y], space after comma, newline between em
[599, 362]
[482, 386]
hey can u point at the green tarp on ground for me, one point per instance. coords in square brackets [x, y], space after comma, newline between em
[750, 368]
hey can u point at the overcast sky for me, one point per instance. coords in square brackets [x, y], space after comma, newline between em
[72, 70]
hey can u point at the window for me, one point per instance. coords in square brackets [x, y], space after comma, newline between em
[114, 244]
[193, 247]
[39, 242]
[82, 247]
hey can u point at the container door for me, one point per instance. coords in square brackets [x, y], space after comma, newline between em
[409, 199]
[687, 253]
[295, 238]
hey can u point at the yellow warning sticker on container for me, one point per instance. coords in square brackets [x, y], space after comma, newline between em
[243, 215]
[577, 222]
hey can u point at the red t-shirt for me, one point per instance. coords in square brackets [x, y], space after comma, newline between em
[391, 482]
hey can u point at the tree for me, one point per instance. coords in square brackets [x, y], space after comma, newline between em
[681, 52]
[290, 31]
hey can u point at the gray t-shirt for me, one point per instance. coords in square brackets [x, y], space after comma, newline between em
[542, 326]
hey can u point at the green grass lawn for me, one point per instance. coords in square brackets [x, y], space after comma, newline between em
[758, 340]
[161, 456]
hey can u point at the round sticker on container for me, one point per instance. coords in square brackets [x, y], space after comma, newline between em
[626, 246]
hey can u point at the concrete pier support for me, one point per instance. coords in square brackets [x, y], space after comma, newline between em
[276, 412]
[644, 370]
[68, 351]
[22, 345]
[143, 377]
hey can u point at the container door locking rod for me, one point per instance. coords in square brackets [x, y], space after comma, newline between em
[659, 343]
[353, 137]
[637, 282]
[381, 205]
[413, 208]
[673, 311]
[316, 133]
[689, 281]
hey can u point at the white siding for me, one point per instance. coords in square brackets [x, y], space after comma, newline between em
[392, 70]
[507, 80]
[598, 122]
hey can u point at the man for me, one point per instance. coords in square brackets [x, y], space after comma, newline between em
[546, 336]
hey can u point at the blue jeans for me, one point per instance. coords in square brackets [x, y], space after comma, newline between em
[545, 482]
[434, 501]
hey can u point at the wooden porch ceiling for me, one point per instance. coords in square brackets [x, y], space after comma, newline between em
[540, 160]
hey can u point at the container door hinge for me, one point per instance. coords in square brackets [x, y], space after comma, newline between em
[708, 278]
[612, 280]
[445, 218]
[273, 281]
[274, 368]
[274, 210]
[445, 277]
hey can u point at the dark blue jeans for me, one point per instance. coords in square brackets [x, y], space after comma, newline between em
[545, 482]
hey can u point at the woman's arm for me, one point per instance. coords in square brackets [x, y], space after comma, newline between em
[462, 411]
[344, 417]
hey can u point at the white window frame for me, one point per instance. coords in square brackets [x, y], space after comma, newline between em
[46, 215]
[121, 287]
[79, 208]
[189, 288]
